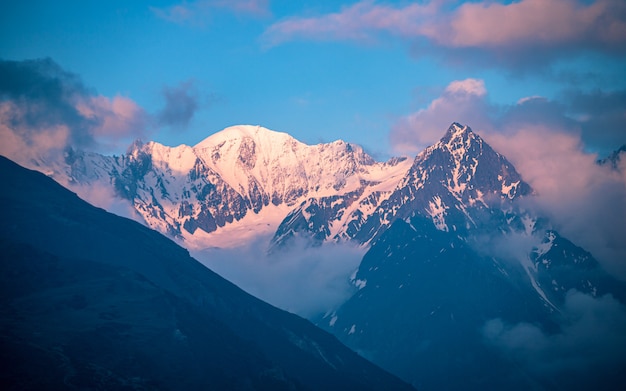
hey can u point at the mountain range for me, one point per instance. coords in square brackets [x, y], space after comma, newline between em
[455, 254]
[241, 182]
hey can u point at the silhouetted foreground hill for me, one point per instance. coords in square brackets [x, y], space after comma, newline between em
[89, 300]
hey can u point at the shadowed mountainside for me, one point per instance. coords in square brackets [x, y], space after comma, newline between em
[92, 300]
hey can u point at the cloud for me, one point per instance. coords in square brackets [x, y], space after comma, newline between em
[597, 116]
[362, 21]
[585, 201]
[548, 142]
[181, 103]
[42, 95]
[198, 12]
[114, 119]
[532, 23]
[103, 196]
[307, 283]
[462, 101]
[512, 33]
[601, 116]
[589, 351]
[252, 7]
[22, 143]
[44, 108]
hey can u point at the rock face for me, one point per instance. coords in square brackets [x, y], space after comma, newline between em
[92, 300]
[230, 178]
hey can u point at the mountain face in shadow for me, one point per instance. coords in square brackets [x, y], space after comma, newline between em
[90, 300]
[463, 289]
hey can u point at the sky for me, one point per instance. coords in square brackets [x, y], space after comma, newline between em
[541, 81]
[374, 73]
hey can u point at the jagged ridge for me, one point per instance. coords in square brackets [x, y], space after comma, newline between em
[453, 183]
[228, 179]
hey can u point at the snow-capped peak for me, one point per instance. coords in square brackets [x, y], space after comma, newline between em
[456, 130]
[257, 133]
[241, 177]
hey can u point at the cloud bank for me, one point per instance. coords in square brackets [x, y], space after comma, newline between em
[512, 33]
[44, 109]
[304, 280]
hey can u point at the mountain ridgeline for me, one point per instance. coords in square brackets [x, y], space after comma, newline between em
[327, 192]
[229, 178]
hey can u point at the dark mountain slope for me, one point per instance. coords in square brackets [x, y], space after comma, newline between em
[454, 258]
[90, 300]
[424, 297]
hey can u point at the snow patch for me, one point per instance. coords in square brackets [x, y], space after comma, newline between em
[530, 270]
[545, 246]
[509, 190]
[437, 211]
[360, 283]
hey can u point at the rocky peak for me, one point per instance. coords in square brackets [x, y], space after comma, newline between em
[456, 183]
[134, 148]
[467, 167]
[458, 133]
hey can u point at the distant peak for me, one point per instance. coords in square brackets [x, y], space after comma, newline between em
[458, 134]
[238, 132]
[136, 146]
[458, 127]
[252, 131]
[457, 130]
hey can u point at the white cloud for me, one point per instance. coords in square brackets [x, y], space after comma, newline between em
[114, 119]
[467, 87]
[461, 101]
[586, 201]
[304, 280]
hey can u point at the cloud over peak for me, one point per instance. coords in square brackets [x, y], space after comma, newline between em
[462, 101]
[467, 86]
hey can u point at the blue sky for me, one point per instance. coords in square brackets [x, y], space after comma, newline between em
[323, 70]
